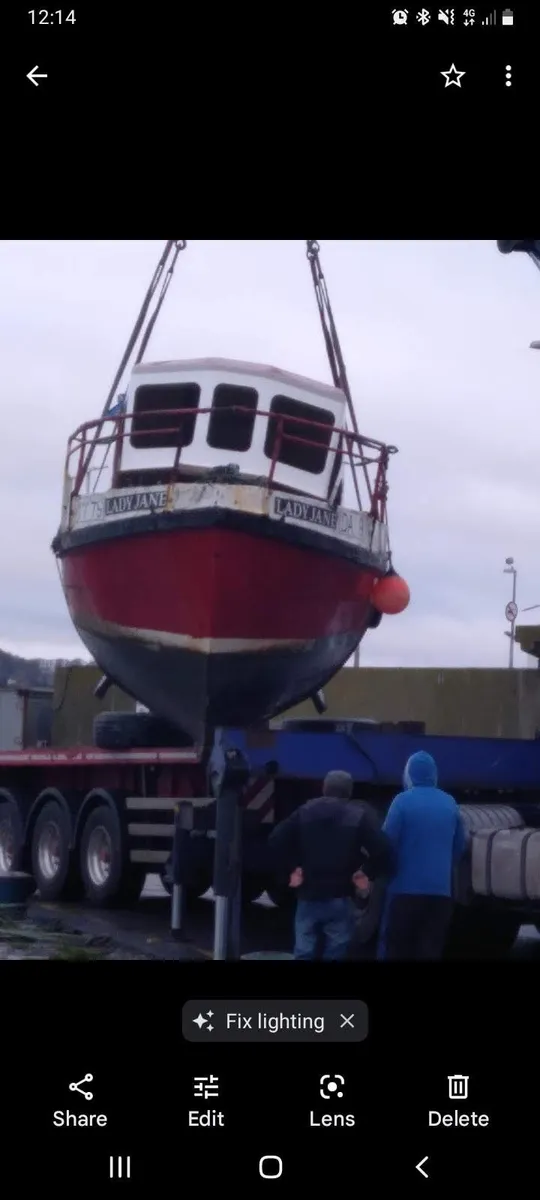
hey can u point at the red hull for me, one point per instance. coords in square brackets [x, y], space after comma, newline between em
[216, 625]
[217, 583]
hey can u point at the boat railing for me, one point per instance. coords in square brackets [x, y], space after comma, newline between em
[358, 454]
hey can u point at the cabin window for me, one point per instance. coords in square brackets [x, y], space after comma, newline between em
[311, 458]
[232, 430]
[153, 429]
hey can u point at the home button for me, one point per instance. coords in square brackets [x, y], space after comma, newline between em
[270, 1166]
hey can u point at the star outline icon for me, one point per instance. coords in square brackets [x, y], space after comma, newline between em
[458, 76]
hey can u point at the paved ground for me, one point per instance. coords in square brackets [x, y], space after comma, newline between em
[25, 937]
[143, 932]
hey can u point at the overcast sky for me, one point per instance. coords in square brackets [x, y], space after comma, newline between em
[435, 337]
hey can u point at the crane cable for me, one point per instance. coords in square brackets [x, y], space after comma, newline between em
[333, 346]
[171, 248]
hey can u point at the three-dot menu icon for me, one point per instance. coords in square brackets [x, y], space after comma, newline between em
[508, 76]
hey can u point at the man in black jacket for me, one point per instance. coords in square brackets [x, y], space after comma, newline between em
[322, 846]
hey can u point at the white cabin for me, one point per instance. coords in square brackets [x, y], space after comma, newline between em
[216, 437]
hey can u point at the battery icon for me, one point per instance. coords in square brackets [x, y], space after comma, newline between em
[508, 17]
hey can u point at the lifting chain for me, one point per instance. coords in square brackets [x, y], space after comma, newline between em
[333, 349]
[173, 248]
[330, 333]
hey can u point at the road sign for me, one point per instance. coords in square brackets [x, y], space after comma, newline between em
[511, 611]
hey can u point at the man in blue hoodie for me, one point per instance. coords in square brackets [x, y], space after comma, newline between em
[426, 829]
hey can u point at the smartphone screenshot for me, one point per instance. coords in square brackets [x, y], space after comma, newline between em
[269, 711]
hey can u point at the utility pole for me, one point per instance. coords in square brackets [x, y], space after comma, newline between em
[511, 610]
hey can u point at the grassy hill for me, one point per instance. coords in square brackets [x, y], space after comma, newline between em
[29, 672]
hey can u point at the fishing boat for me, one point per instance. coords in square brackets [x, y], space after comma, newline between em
[239, 550]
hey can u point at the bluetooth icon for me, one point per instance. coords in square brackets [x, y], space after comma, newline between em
[423, 17]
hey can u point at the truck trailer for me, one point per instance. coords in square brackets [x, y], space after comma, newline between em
[91, 821]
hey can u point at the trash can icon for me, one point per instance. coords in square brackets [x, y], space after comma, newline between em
[458, 1087]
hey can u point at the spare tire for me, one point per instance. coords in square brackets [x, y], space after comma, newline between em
[129, 731]
[329, 724]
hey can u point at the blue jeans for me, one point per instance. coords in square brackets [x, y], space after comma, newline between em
[330, 922]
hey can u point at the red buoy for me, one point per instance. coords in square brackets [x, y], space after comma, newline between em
[390, 595]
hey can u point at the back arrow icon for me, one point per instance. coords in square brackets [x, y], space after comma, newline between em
[33, 77]
[420, 1165]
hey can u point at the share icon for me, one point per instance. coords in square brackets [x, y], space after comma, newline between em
[76, 1087]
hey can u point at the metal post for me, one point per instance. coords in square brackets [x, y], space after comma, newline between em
[183, 824]
[235, 906]
[228, 877]
[511, 608]
[513, 625]
[225, 870]
[229, 773]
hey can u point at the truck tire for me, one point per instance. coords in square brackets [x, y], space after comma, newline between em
[329, 724]
[52, 864]
[11, 834]
[109, 879]
[129, 731]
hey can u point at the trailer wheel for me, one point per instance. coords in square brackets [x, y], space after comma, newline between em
[128, 731]
[108, 879]
[52, 865]
[11, 836]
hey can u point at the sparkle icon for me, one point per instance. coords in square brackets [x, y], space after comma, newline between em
[201, 1021]
[453, 76]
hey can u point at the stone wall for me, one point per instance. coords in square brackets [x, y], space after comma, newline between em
[476, 702]
[75, 706]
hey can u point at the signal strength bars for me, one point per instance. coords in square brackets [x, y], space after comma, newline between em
[491, 20]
